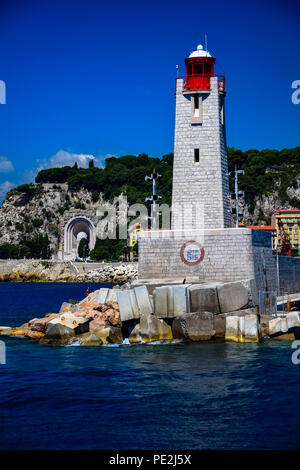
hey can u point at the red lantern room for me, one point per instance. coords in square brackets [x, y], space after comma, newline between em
[199, 70]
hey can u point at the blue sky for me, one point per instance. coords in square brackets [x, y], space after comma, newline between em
[97, 78]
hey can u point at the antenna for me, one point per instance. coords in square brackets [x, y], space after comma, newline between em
[206, 43]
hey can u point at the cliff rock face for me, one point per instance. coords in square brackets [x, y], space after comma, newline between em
[44, 210]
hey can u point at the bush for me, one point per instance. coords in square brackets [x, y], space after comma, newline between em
[37, 223]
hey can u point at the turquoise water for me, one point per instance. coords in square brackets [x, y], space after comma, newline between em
[196, 396]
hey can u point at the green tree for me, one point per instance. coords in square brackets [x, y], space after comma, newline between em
[83, 248]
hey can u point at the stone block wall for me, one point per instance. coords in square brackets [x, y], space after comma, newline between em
[229, 255]
[201, 185]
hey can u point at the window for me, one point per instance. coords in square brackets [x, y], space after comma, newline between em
[196, 109]
[196, 155]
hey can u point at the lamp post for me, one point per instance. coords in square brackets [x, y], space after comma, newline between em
[154, 198]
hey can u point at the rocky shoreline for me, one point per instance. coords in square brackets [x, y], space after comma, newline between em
[174, 313]
[50, 271]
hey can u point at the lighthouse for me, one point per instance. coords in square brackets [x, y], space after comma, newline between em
[201, 245]
[200, 173]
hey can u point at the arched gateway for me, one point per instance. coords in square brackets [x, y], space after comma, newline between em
[75, 229]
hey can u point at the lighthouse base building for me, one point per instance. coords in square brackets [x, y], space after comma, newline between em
[202, 245]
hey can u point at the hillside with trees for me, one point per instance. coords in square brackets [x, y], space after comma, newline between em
[32, 218]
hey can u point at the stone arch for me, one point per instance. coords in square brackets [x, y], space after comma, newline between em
[74, 230]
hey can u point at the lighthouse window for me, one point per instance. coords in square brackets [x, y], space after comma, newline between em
[196, 102]
[197, 155]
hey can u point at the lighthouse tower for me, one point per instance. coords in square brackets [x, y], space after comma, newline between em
[202, 245]
[200, 174]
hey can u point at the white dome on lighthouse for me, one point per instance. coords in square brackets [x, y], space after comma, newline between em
[200, 52]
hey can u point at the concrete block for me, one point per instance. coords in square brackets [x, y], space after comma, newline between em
[251, 329]
[292, 319]
[232, 296]
[112, 296]
[180, 300]
[161, 301]
[127, 312]
[143, 300]
[203, 298]
[171, 301]
[232, 332]
[196, 326]
[278, 325]
[102, 295]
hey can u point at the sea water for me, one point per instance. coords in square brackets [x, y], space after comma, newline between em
[209, 395]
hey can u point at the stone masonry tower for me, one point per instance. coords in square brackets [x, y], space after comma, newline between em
[200, 174]
[201, 245]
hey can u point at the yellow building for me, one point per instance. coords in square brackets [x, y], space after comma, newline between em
[291, 224]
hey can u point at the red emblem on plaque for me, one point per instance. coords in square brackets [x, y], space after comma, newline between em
[192, 253]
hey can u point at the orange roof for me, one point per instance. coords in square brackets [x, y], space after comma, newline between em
[261, 227]
[282, 211]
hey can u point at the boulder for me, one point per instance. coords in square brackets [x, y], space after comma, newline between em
[17, 332]
[110, 335]
[90, 339]
[264, 324]
[5, 330]
[237, 295]
[66, 307]
[151, 329]
[41, 324]
[57, 334]
[197, 326]
[78, 324]
[34, 334]
[204, 298]
[135, 335]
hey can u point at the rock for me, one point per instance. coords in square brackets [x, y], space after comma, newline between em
[197, 326]
[264, 324]
[151, 329]
[236, 295]
[17, 332]
[57, 334]
[5, 330]
[110, 335]
[34, 334]
[41, 324]
[204, 298]
[285, 337]
[135, 335]
[67, 307]
[78, 324]
[90, 339]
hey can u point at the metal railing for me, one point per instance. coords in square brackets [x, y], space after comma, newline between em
[201, 82]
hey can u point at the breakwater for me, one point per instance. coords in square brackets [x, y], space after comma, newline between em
[65, 271]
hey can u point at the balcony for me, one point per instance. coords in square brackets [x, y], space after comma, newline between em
[201, 82]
